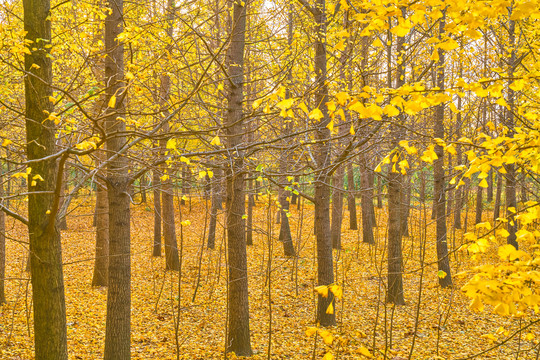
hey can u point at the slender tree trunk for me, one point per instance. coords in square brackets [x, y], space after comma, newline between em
[238, 337]
[101, 264]
[62, 221]
[511, 202]
[351, 199]
[337, 208]
[325, 264]
[498, 195]
[156, 184]
[367, 226]
[405, 206]
[438, 173]
[50, 334]
[395, 180]
[379, 192]
[479, 204]
[2, 251]
[117, 329]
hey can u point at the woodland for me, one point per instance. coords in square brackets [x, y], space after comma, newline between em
[277, 179]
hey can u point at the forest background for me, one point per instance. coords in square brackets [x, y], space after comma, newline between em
[226, 136]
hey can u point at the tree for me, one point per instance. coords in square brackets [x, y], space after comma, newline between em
[50, 333]
[118, 327]
[238, 337]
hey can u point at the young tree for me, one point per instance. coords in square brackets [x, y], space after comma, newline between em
[50, 334]
[118, 327]
[238, 337]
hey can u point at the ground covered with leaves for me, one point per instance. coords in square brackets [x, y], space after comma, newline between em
[190, 321]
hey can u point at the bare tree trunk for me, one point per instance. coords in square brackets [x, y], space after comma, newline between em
[443, 259]
[498, 195]
[156, 184]
[2, 251]
[62, 221]
[50, 334]
[395, 179]
[479, 204]
[511, 202]
[118, 328]
[238, 336]
[325, 265]
[337, 208]
[101, 264]
[351, 199]
[367, 226]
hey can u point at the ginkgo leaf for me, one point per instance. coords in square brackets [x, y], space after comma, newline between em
[311, 330]
[316, 114]
[476, 304]
[483, 183]
[330, 309]
[322, 290]
[285, 104]
[112, 102]
[215, 141]
[328, 356]
[327, 336]
[364, 351]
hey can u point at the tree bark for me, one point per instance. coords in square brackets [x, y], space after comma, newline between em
[238, 336]
[117, 328]
[50, 334]
[337, 208]
[101, 264]
[367, 226]
[351, 199]
[479, 204]
[443, 259]
[156, 184]
[2, 251]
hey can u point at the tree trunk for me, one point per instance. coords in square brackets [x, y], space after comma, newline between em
[101, 264]
[351, 199]
[2, 251]
[395, 181]
[498, 194]
[156, 184]
[238, 337]
[325, 264]
[479, 204]
[50, 334]
[367, 226]
[117, 329]
[443, 260]
[337, 208]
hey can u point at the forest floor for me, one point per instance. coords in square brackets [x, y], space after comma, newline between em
[161, 329]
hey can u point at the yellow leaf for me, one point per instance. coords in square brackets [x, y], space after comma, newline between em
[6, 142]
[351, 131]
[220, 87]
[489, 337]
[364, 351]
[377, 43]
[112, 101]
[327, 336]
[316, 114]
[202, 174]
[336, 290]
[328, 356]
[311, 330]
[257, 103]
[330, 309]
[285, 104]
[322, 290]
[476, 304]
[129, 76]
[210, 173]
[391, 110]
[342, 97]
[215, 141]
[303, 107]
[483, 183]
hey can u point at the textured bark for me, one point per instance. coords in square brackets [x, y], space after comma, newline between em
[337, 208]
[405, 206]
[62, 221]
[156, 184]
[101, 264]
[50, 334]
[395, 180]
[498, 195]
[351, 199]
[249, 220]
[511, 202]
[117, 328]
[443, 259]
[2, 250]
[325, 265]
[367, 226]
[479, 204]
[238, 336]
[489, 196]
